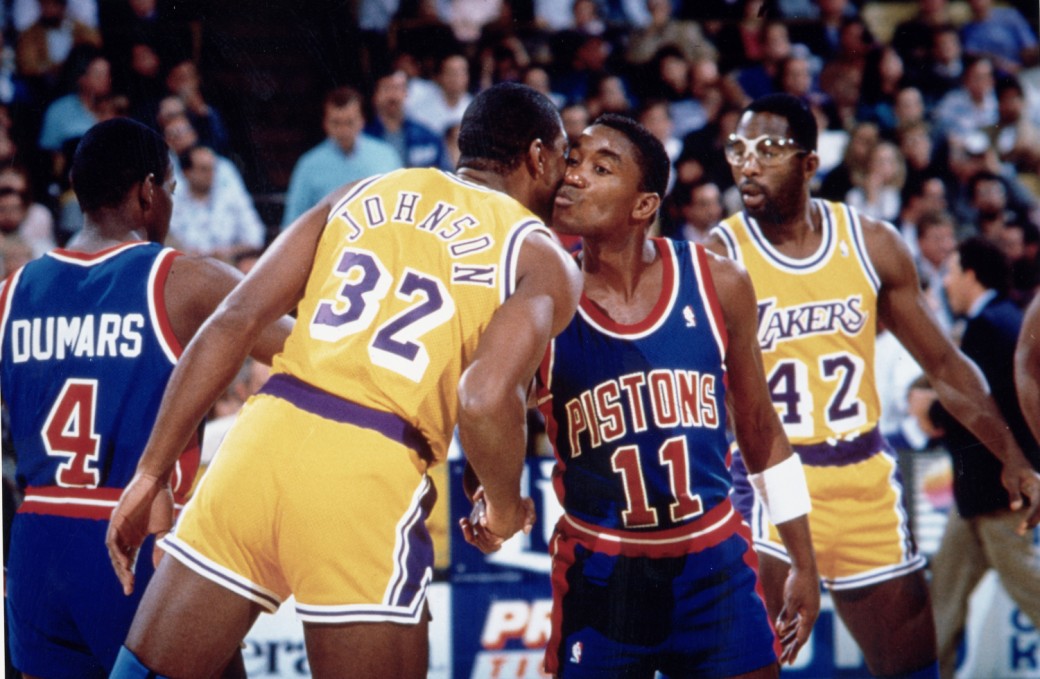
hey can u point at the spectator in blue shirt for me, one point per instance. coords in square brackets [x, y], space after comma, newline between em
[416, 144]
[347, 154]
[1002, 34]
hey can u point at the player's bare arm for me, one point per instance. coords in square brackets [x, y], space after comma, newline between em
[764, 446]
[1027, 367]
[269, 292]
[958, 383]
[493, 389]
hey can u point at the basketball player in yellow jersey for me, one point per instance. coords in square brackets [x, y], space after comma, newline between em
[824, 276]
[424, 299]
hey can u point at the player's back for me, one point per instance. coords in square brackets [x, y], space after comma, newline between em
[816, 329]
[408, 273]
[87, 349]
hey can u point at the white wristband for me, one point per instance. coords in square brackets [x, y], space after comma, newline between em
[783, 490]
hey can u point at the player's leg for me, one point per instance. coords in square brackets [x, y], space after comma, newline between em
[188, 626]
[892, 623]
[956, 569]
[1015, 557]
[368, 650]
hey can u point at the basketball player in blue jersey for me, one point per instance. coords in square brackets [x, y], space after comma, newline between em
[653, 568]
[425, 299]
[825, 277]
[89, 337]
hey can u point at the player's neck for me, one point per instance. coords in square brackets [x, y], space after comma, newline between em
[94, 237]
[798, 235]
[622, 277]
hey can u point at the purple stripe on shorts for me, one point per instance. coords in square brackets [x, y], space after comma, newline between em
[843, 453]
[332, 407]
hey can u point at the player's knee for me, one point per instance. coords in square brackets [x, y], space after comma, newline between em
[129, 666]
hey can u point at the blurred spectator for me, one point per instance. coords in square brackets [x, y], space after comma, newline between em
[184, 82]
[686, 36]
[586, 18]
[919, 197]
[140, 79]
[24, 13]
[877, 193]
[907, 108]
[1020, 242]
[740, 41]
[468, 17]
[795, 77]
[576, 118]
[653, 115]
[822, 33]
[440, 103]
[36, 227]
[989, 200]
[14, 254]
[977, 157]
[913, 37]
[925, 155]
[981, 533]
[43, 47]
[704, 155]
[853, 166]
[1016, 135]
[760, 77]
[882, 80]
[842, 82]
[936, 241]
[607, 94]
[580, 59]
[14, 209]
[346, 154]
[502, 59]
[536, 77]
[1002, 34]
[698, 208]
[970, 107]
[207, 218]
[73, 114]
[417, 145]
[942, 70]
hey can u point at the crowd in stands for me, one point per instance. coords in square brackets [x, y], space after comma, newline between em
[934, 128]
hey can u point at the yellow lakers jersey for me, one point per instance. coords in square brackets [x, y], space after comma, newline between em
[817, 322]
[407, 275]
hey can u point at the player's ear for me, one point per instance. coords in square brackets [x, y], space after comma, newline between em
[146, 191]
[645, 206]
[536, 158]
[812, 163]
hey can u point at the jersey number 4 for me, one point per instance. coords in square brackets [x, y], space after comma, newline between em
[70, 432]
[395, 344]
[792, 395]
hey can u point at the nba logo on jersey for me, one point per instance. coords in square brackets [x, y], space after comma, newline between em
[576, 652]
[687, 314]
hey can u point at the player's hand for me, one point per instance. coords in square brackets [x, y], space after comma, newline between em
[145, 507]
[801, 607]
[487, 529]
[1023, 487]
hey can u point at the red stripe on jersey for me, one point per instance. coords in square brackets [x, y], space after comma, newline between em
[668, 283]
[712, 295]
[100, 254]
[158, 293]
[76, 503]
[707, 531]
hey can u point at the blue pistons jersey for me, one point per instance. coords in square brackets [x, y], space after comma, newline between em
[636, 413]
[87, 349]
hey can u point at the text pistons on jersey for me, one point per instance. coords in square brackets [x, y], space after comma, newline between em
[824, 317]
[611, 409]
[89, 336]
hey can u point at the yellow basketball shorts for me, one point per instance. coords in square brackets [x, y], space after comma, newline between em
[860, 528]
[298, 504]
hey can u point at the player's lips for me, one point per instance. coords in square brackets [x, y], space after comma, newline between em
[564, 199]
[752, 193]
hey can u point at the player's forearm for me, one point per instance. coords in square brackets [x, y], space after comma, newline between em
[493, 434]
[798, 541]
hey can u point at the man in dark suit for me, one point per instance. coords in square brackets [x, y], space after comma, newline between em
[982, 533]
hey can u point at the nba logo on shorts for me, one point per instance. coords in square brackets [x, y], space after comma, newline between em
[576, 652]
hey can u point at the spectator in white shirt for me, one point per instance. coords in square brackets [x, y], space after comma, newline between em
[440, 103]
[207, 218]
